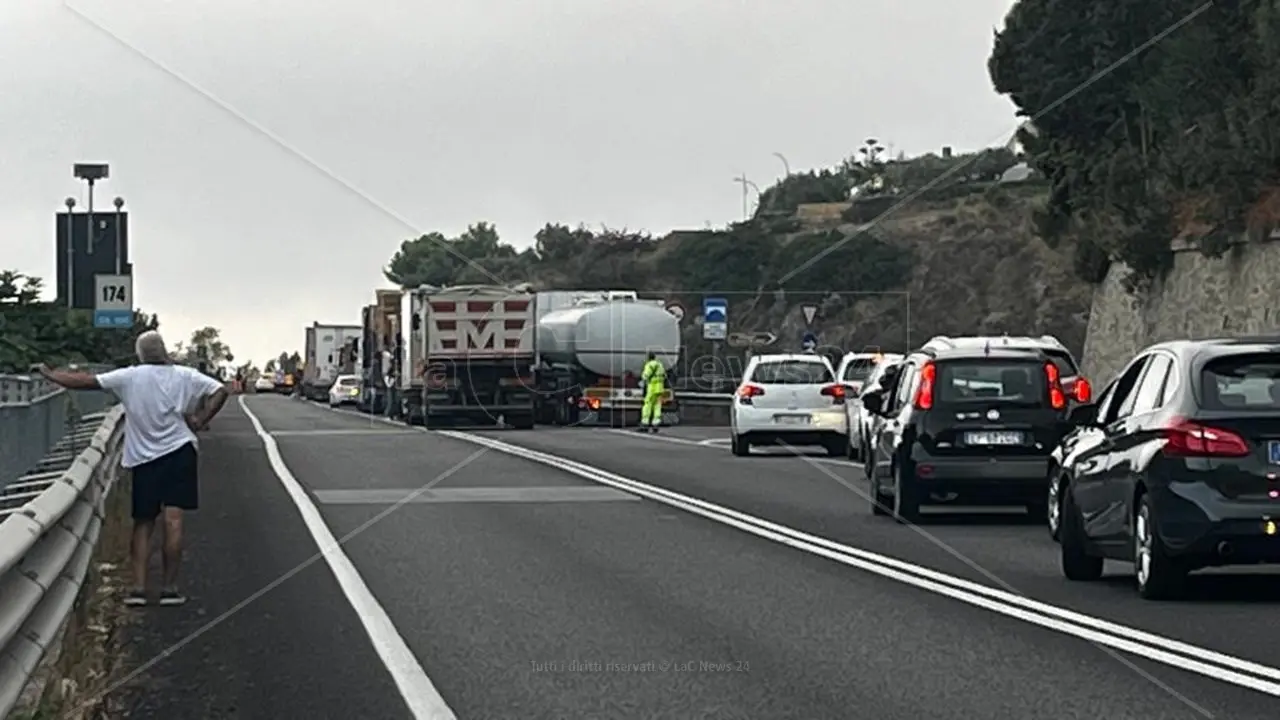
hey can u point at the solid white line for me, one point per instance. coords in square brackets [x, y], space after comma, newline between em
[717, 444]
[1173, 653]
[424, 701]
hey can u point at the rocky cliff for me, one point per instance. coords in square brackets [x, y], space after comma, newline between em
[1237, 294]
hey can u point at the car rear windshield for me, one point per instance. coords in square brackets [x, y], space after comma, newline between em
[1006, 381]
[859, 369]
[791, 372]
[348, 381]
[1241, 382]
[1066, 364]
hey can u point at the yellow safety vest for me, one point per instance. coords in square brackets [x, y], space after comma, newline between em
[653, 372]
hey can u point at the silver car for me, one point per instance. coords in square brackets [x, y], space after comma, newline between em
[862, 421]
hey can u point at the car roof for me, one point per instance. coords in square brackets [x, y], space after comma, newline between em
[981, 352]
[784, 357]
[861, 355]
[1209, 348]
[1045, 342]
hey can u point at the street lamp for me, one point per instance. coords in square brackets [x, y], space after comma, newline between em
[91, 173]
[742, 179]
[71, 252]
[785, 165]
[119, 203]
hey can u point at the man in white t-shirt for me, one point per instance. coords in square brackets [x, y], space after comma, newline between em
[164, 406]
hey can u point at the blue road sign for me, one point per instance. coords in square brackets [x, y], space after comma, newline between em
[809, 341]
[113, 318]
[715, 318]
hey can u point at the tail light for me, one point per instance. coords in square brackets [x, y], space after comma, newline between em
[924, 395]
[747, 392]
[1081, 390]
[1185, 438]
[835, 392]
[1057, 398]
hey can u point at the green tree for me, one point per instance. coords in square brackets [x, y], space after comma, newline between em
[476, 256]
[822, 186]
[1135, 144]
[33, 331]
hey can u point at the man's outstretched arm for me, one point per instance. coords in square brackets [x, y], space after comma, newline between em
[71, 379]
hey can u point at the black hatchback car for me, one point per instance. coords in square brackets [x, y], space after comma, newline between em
[965, 426]
[1176, 467]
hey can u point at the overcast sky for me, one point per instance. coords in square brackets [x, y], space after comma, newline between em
[634, 113]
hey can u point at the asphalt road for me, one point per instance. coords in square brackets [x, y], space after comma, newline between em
[524, 590]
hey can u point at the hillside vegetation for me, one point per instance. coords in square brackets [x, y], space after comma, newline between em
[1151, 119]
[930, 245]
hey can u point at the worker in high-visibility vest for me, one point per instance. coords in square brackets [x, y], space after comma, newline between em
[654, 380]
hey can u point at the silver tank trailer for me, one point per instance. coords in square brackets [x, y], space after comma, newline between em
[609, 339]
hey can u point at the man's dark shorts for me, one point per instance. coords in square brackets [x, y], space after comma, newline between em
[170, 480]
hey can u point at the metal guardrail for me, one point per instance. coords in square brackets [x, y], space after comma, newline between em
[34, 416]
[49, 526]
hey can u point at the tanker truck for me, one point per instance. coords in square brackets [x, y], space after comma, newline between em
[592, 347]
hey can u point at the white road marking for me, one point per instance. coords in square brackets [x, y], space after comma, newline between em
[1164, 650]
[717, 444]
[1226, 668]
[424, 701]
[303, 433]
[547, 495]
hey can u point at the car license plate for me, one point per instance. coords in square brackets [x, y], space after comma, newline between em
[1273, 452]
[791, 419]
[993, 438]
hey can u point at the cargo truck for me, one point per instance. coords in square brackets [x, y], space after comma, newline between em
[380, 352]
[324, 351]
[592, 347]
[467, 357]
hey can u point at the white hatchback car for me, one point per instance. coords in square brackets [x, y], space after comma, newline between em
[792, 400]
[861, 372]
[345, 391]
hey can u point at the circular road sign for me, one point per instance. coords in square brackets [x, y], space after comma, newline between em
[677, 311]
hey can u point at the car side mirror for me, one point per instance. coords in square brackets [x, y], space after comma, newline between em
[1083, 415]
[851, 390]
[873, 401]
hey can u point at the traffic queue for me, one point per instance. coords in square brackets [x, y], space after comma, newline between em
[1174, 466]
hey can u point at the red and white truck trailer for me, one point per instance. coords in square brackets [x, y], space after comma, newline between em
[467, 357]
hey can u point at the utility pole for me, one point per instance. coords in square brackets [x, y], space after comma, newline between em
[71, 253]
[746, 208]
[119, 204]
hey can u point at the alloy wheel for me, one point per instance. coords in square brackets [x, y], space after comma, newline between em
[1142, 542]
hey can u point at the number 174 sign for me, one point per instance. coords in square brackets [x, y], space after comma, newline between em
[113, 301]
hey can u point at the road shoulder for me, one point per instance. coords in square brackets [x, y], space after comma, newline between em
[267, 631]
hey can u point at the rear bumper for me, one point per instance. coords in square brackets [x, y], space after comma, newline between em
[1194, 522]
[984, 480]
[760, 423]
[794, 437]
[475, 415]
